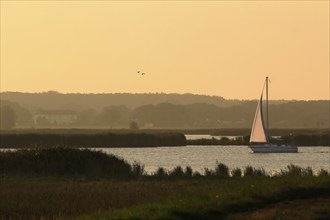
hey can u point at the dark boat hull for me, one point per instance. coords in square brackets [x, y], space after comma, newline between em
[272, 148]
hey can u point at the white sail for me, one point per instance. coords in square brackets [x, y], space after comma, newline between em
[260, 138]
[258, 133]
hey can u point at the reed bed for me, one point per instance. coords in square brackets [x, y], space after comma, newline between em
[90, 140]
[297, 140]
[48, 198]
[92, 185]
[76, 163]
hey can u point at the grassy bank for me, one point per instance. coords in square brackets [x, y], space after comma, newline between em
[230, 199]
[105, 140]
[85, 163]
[51, 198]
[90, 140]
[297, 140]
[274, 131]
[60, 183]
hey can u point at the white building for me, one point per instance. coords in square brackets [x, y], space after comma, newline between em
[54, 117]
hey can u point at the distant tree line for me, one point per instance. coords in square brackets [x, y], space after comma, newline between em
[308, 140]
[293, 114]
[222, 141]
[297, 140]
[78, 101]
[7, 117]
[139, 139]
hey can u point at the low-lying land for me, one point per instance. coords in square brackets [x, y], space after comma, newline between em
[85, 138]
[297, 140]
[210, 131]
[218, 198]
[90, 140]
[62, 183]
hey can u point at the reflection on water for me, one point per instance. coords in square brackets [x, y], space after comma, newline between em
[200, 157]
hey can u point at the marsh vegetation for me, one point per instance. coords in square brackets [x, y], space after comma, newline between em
[83, 139]
[84, 184]
[93, 138]
[296, 140]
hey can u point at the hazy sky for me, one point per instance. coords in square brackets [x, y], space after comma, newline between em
[214, 48]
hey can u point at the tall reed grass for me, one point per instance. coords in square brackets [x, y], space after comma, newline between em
[57, 183]
[72, 162]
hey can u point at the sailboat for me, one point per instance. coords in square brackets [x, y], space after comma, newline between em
[260, 139]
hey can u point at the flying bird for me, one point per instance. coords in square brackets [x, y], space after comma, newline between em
[140, 72]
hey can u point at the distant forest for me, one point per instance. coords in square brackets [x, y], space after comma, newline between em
[156, 111]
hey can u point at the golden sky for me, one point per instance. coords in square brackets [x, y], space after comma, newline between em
[223, 48]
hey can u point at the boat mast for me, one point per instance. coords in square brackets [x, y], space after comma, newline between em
[267, 103]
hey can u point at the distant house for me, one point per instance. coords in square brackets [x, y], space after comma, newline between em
[54, 117]
[149, 125]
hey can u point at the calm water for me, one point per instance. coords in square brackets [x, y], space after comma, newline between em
[200, 157]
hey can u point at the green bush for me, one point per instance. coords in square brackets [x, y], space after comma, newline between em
[236, 172]
[249, 171]
[292, 170]
[160, 172]
[323, 172]
[208, 172]
[296, 171]
[60, 161]
[221, 170]
[188, 171]
[138, 169]
[176, 172]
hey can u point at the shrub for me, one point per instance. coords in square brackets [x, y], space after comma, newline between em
[161, 172]
[177, 172]
[236, 172]
[138, 169]
[188, 171]
[208, 172]
[63, 162]
[250, 171]
[292, 170]
[323, 172]
[221, 170]
[259, 172]
[308, 171]
[197, 174]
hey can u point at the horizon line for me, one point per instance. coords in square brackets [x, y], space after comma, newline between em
[155, 93]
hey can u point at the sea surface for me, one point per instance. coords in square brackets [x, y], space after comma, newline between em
[201, 157]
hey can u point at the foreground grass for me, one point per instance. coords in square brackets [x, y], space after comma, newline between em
[61, 183]
[235, 199]
[232, 198]
[315, 208]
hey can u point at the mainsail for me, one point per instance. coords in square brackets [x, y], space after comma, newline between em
[260, 138]
[258, 133]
